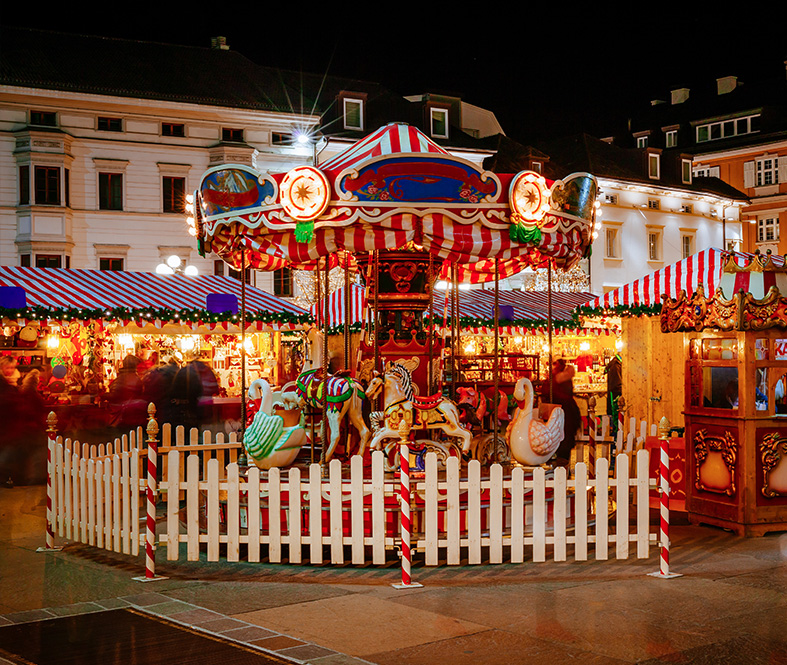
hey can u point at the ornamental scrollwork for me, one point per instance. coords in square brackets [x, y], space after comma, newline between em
[704, 444]
[773, 448]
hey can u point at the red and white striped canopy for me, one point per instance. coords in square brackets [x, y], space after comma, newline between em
[388, 140]
[58, 288]
[704, 268]
[336, 308]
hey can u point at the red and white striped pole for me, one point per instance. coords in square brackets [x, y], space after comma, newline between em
[51, 434]
[664, 572]
[150, 531]
[404, 500]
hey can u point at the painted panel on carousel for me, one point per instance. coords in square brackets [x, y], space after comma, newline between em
[231, 190]
[716, 458]
[413, 179]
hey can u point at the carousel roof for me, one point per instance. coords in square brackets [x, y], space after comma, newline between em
[56, 292]
[702, 269]
[394, 188]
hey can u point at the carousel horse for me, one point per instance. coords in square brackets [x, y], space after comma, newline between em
[532, 441]
[435, 412]
[273, 436]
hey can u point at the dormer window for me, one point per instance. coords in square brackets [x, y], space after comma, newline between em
[642, 141]
[671, 138]
[685, 171]
[438, 123]
[654, 166]
[352, 112]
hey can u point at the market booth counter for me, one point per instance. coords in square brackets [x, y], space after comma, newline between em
[77, 327]
[736, 411]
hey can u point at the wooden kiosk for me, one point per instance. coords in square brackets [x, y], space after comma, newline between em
[736, 397]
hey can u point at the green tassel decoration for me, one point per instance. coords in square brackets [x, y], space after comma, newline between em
[304, 231]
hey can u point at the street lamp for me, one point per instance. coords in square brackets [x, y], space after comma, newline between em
[174, 265]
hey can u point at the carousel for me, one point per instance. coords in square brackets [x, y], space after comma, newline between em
[399, 212]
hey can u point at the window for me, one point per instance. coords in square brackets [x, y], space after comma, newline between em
[47, 185]
[110, 264]
[685, 171]
[611, 247]
[282, 282]
[653, 166]
[353, 113]
[439, 122]
[612, 199]
[49, 261]
[174, 194]
[43, 118]
[768, 229]
[642, 141]
[686, 246]
[537, 167]
[173, 129]
[232, 135]
[687, 208]
[671, 138]
[218, 267]
[24, 260]
[110, 191]
[24, 185]
[236, 274]
[654, 204]
[106, 124]
[707, 172]
[727, 128]
[767, 171]
[279, 138]
[654, 244]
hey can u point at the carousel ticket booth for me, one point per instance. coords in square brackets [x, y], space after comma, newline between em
[736, 403]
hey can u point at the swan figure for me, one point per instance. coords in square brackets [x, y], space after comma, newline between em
[532, 441]
[273, 440]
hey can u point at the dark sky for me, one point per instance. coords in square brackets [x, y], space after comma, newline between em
[540, 70]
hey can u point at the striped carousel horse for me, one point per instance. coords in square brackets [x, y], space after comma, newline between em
[344, 396]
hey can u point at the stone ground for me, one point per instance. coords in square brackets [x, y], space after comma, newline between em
[729, 607]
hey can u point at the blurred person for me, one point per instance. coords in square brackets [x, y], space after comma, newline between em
[12, 432]
[562, 383]
[126, 404]
[185, 393]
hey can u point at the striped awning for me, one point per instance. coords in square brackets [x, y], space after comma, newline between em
[63, 290]
[704, 268]
[336, 307]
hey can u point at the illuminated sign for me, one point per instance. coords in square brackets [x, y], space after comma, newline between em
[529, 197]
[305, 193]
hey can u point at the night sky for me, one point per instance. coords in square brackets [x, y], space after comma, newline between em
[542, 71]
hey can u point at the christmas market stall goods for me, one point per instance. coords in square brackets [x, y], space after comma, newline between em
[78, 327]
[403, 210]
[736, 403]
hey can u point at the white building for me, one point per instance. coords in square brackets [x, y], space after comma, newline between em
[654, 211]
[96, 156]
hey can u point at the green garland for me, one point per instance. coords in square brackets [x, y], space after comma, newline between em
[149, 314]
[618, 310]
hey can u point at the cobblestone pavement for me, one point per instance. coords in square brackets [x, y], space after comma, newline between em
[729, 607]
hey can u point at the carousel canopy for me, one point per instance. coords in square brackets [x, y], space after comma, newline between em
[395, 187]
[56, 293]
[336, 307]
[702, 269]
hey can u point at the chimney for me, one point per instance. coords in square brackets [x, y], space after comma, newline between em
[219, 43]
[726, 84]
[680, 95]
[656, 102]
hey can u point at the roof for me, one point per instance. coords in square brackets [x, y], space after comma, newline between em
[582, 152]
[701, 269]
[60, 293]
[51, 60]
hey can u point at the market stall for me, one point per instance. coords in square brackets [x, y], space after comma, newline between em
[79, 327]
[735, 374]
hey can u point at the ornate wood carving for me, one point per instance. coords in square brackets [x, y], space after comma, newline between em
[705, 444]
[773, 449]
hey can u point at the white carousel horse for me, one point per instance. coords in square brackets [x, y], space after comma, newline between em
[532, 441]
[274, 436]
[345, 395]
[435, 412]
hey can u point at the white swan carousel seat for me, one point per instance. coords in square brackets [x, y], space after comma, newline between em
[531, 440]
[273, 439]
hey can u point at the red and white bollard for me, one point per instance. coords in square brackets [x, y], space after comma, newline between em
[51, 431]
[404, 502]
[664, 572]
[150, 531]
